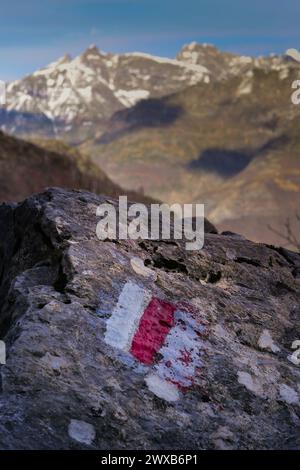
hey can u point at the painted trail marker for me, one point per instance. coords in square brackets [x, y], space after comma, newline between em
[155, 324]
[125, 317]
[165, 337]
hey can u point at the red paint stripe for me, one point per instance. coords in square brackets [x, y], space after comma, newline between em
[155, 324]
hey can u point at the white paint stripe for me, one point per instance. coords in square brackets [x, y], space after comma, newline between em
[181, 351]
[181, 355]
[125, 318]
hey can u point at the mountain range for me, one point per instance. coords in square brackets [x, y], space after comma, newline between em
[208, 126]
[73, 98]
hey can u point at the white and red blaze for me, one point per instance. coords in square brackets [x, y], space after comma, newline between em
[164, 336]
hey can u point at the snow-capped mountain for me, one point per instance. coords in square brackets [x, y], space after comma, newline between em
[74, 98]
[223, 65]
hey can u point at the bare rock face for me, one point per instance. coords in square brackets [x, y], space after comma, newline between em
[142, 344]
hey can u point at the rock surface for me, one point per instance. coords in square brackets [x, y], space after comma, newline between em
[220, 378]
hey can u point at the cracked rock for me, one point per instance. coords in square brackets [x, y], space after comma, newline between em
[141, 344]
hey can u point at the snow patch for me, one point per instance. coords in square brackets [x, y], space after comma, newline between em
[130, 97]
[284, 73]
[246, 85]
[294, 54]
[165, 60]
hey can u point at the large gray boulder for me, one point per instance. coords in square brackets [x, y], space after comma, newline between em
[142, 344]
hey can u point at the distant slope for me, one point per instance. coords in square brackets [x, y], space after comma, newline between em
[233, 145]
[27, 168]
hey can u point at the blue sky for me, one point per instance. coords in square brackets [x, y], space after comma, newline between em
[35, 32]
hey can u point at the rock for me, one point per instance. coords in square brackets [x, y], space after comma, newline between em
[141, 344]
[288, 394]
[266, 342]
[138, 265]
[81, 431]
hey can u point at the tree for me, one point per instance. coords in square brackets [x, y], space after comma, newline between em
[288, 234]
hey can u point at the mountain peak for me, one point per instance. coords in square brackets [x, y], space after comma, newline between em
[93, 50]
[197, 53]
[195, 46]
[64, 59]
